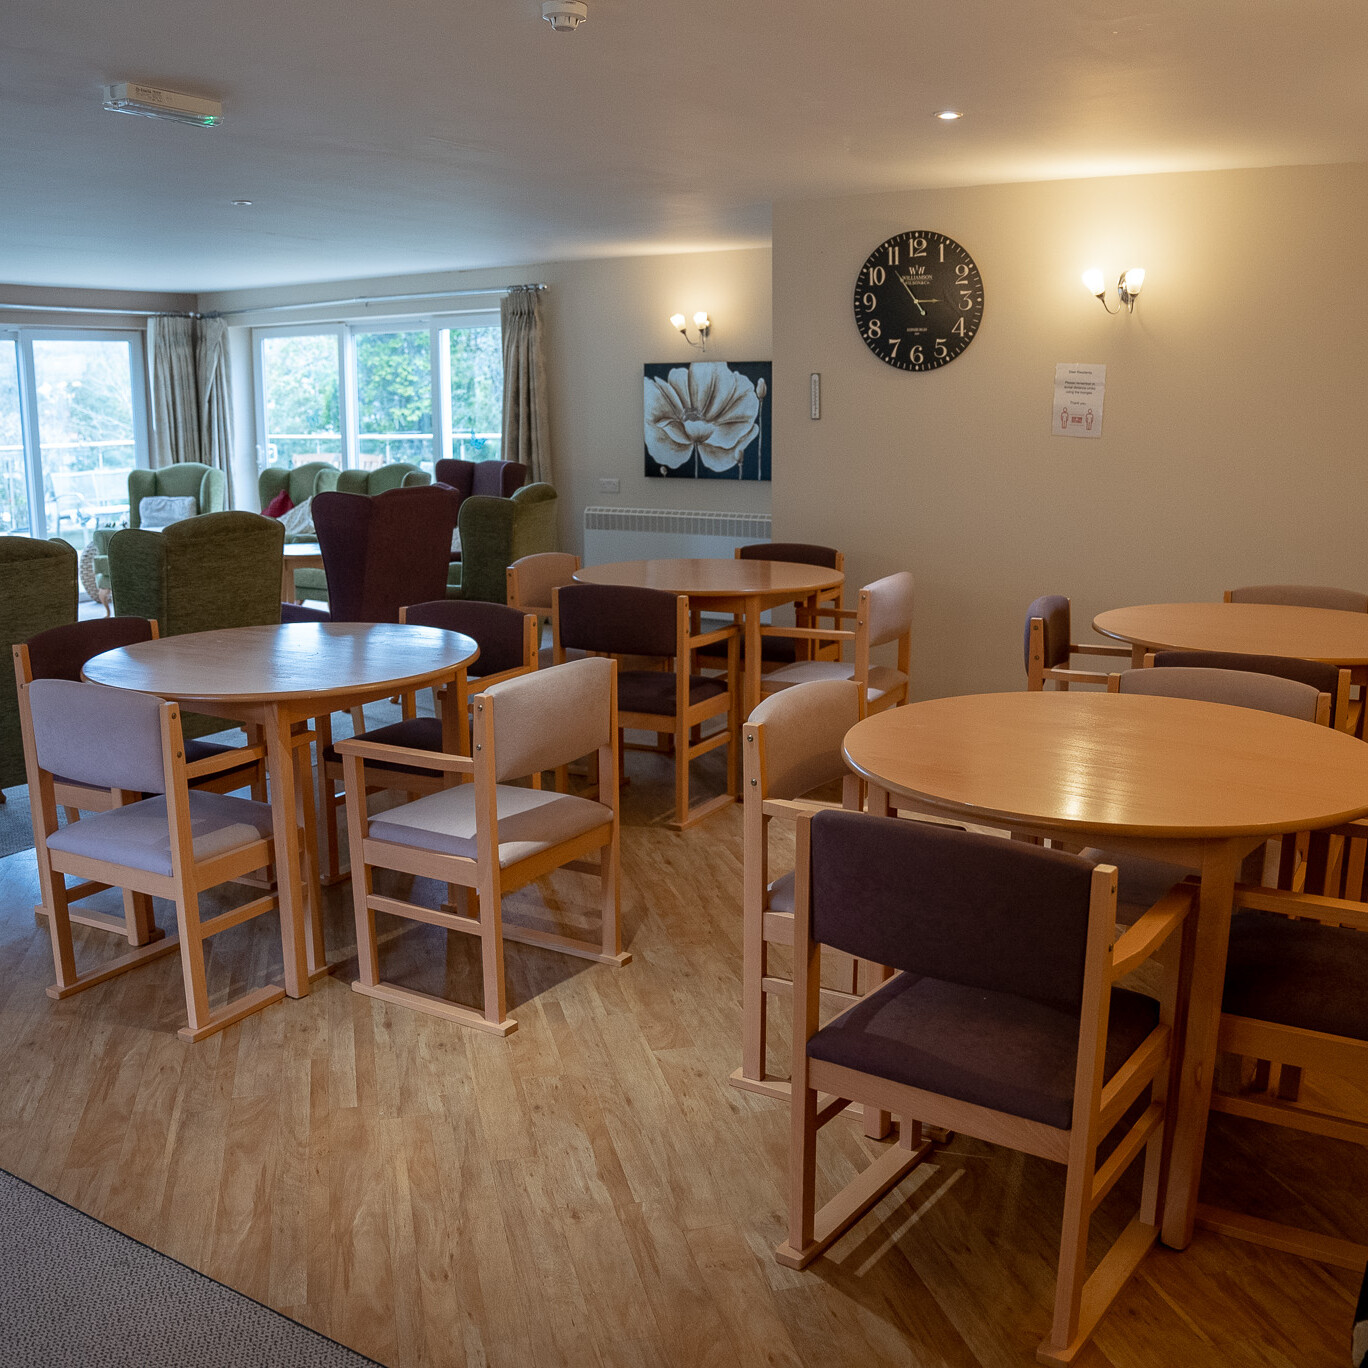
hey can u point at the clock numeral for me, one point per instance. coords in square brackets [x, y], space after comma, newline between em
[942, 351]
[893, 255]
[894, 345]
[873, 328]
[966, 300]
[876, 276]
[870, 301]
[942, 253]
[918, 248]
[959, 327]
[962, 271]
[915, 356]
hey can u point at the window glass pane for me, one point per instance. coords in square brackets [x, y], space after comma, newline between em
[394, 398]
[299, 380]
[14, 513]
[85, 434]
[476, 393]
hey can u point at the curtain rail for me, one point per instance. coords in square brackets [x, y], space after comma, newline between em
[270, 308]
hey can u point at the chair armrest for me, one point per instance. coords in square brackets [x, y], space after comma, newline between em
[719, 634]
[1090, 648]
[1154, 927]
[1079, 676]
[1329, 911]
[404, 755]
[809, 633]
[791, 809]
[225, 760]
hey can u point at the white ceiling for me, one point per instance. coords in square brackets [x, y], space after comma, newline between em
[438, 134]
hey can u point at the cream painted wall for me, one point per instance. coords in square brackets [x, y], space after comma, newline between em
[604, 320]
[1233, 444]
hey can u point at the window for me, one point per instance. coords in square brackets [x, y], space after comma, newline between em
[363, 395]
[73, 423]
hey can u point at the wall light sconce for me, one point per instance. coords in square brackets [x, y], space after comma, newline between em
[701, 322]
[1127, 288]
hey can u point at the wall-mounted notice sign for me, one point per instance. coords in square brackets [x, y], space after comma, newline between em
[1078, 394]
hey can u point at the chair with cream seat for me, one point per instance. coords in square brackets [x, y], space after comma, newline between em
[624, 620]
[175, 845]
[491, 836]
[1049, 646]
[1301, 596]
[791, 745]
[883, 616]
[507, 642]
[1004, 1024]
[532, 581]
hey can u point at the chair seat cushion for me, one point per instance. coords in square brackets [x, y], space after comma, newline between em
[882, 678]
[1298, 973]
[993, 1049]
[653, 691]
[417, 733]
[138, 836]
[530, 821]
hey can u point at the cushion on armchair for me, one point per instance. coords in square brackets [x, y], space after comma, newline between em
[279, 506]
[161, 510]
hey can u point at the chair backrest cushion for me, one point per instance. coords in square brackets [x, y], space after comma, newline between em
[974, 910]
[1053, 609]
[384, 552]
[537, 575]
[1302, 596]
[798, 553]
[60, 652]
[890, 607]
[1238, 688]
[1322, 677]
[182, 479]
[495, 532]
[396, 475]
[495, 479]
[109, 738]
[804, 726]
[497, 629]
[550, 717]
[620, 619]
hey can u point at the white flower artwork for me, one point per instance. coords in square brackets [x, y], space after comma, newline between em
[708, 420]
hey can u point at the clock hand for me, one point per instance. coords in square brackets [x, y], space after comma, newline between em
[920, 302]
[913, 297]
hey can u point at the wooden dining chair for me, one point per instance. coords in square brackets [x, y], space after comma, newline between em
[1005, 1023]
[1049, 647]
[531, 581]
[791, 744]
[882, 617]
[676, 702]
[1294, 998]
[492, 836]
[508, 648]
[775, 650]
[175, 845]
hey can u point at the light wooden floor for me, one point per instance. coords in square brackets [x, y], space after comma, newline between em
[590, 1190]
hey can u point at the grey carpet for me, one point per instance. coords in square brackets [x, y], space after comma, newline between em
[75, 1293]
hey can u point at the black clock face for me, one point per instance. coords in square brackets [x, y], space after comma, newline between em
[918, 300]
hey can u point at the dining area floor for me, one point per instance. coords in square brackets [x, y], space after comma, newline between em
[591, 1190]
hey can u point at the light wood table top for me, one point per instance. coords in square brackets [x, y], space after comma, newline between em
[1324, 634]
[279, 678]
[1199, 784]
[744, 587]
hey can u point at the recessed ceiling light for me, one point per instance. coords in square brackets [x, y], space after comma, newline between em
[241, 204]
[949, 115]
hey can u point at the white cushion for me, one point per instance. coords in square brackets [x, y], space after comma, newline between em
[882, 678]
[139, 836]
[298, 521]
[783, 893]
[161, 510]
[456, 542]
[530, 820]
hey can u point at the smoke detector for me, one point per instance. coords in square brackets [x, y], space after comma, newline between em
[565, 16]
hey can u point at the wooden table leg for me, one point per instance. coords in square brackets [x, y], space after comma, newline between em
[287, 589]
[280, 764]
[1220, 864]
[750, 657]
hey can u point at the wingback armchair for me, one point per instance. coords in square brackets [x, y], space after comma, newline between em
[40, 592]
[498, 479]
[300, 483]
[495, 533]
[396, 475]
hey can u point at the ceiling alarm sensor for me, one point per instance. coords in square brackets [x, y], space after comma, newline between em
[565, 16]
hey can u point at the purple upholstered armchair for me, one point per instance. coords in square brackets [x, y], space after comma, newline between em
[498, 479]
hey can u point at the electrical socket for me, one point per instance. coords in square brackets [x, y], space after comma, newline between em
[610, 484]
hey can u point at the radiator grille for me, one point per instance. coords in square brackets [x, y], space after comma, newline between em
[613, 534]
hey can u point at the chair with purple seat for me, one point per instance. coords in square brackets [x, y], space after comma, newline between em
[508, 648]
[785, 650]
[628, 621]
[1049, 647]
[1004, 1024]
[176, 845]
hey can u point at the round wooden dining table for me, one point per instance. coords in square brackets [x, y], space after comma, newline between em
[1325, 634]
[744, 587]
[279, 678]
[1193, 783]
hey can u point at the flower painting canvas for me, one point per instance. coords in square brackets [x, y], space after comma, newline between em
[709, 420]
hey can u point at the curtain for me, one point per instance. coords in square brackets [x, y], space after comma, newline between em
[215, 399]
[526, 427]
[175, 394]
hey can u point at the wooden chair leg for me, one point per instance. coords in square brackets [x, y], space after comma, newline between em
[681, 761]
[492, 953]
[192, 963]
[610, 897]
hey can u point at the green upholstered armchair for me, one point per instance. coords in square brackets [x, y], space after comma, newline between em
[398, 475]
[39, 579]
[300, 482]
[185, 479]
[495, 533]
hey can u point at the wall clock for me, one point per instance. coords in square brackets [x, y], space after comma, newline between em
[918, 300]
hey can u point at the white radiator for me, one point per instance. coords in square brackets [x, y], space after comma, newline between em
[618, 534]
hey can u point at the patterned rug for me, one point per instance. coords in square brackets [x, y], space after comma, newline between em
[75, 1293]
